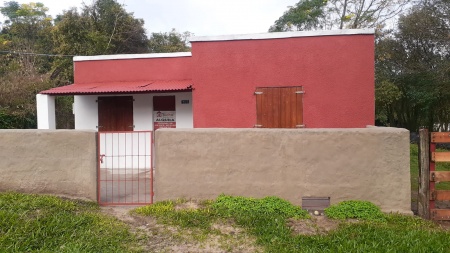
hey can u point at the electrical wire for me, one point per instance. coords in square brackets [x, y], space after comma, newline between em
[35, 54]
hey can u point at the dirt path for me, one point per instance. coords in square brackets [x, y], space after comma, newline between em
[154, 237]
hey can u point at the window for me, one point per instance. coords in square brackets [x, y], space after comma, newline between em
[279, 107]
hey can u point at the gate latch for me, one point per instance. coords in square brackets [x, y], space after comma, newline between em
[101, 157]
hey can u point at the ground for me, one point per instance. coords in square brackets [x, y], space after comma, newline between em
[161, 238]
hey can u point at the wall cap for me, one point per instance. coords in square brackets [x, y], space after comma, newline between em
[130, 56]
[281, 35]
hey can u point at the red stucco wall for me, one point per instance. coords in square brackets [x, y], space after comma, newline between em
[336, 72]
[99, 71]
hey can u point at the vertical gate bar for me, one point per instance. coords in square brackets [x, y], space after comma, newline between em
[118, 168]
[106, 169]
[112, 168]
[98, 168]
[145, 165]
[139, 163]
[132, 167]
[432, 168]
[125, 157]
[151, 167]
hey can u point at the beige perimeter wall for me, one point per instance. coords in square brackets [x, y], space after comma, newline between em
[61, 162]
[345, 164]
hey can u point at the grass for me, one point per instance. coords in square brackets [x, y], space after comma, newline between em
[266, 220]
[39, 223]
[414, 166]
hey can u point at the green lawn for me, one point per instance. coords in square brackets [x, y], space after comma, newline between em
[267, 220]
[38, 223]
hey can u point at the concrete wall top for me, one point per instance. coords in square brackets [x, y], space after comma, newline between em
[282, 35]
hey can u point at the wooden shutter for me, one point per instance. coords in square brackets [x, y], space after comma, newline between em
[115, 113]
[279, 107]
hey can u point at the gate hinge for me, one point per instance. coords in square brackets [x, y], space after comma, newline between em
[300, 126]
[432, 177]
[258, 92]
[433, 195]
[300, 92]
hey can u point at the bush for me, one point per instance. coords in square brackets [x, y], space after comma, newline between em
[355, 209]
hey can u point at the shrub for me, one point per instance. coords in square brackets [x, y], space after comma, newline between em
[355, 209]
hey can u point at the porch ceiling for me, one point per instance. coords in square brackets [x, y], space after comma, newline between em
[121, 87]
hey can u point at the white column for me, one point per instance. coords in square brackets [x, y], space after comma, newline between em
[45, 107]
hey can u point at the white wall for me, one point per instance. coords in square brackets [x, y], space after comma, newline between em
[45, 106]
[86, 111]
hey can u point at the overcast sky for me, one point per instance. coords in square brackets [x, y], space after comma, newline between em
[201, 17]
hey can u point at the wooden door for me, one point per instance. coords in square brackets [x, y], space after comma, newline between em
[279, 107]
[115, 113]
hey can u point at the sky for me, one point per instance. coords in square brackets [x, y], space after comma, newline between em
[201, 17]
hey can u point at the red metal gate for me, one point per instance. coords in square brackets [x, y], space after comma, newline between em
[125, 171]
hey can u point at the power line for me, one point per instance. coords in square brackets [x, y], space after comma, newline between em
[35, 54]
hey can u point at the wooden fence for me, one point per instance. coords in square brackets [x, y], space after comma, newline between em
[429, 177]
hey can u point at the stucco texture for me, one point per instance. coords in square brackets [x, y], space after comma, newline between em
[344, 164]
[336, 73]
[61, 162]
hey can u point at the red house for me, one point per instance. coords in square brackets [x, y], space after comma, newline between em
[317, 79]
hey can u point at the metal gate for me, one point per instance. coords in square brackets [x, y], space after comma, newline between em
[125, 171]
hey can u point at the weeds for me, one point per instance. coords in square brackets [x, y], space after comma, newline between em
[355, 209]
[266, 220]
[37, 223]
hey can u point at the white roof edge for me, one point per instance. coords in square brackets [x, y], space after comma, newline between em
[130, 56]
[281, 35]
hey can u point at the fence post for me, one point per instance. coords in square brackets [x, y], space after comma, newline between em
[423, 199]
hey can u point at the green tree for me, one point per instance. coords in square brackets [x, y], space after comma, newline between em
[172, 41]
[305, 15]
[331, 14]
[416, 59]
[22, 74]
[101, 28]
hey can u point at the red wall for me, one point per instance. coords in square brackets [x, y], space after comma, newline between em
[148, 69]
[336, 72]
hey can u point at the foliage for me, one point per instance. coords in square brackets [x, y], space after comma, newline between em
[101, 28]
[305, 15]
[268, 206]
[355, 209]
[172, 41]
[266, 220]
[332, 14]
[414, 60]
[166, 213]
[34, 223]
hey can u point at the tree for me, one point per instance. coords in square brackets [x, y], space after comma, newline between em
[101, 28]
[22, 74]
[330, 14]
[172, 41]
[416, 59]
[305, 15]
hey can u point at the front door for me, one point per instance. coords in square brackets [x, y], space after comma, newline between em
[115, 113]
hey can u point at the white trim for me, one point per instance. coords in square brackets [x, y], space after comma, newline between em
[281, 35]
[130, 56]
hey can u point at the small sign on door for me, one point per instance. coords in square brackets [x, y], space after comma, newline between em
[164, 119]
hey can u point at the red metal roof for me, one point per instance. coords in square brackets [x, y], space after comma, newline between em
[121, 87]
